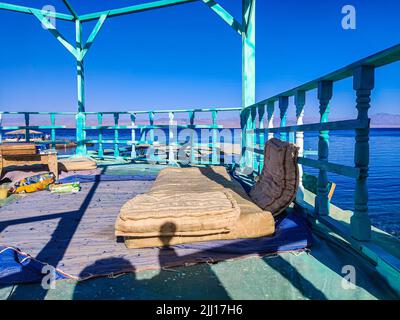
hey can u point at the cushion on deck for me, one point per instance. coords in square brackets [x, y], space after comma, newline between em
[161, 214]
[253, 222]
[278, 183]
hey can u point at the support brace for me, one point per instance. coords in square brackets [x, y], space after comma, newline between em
[225, 15]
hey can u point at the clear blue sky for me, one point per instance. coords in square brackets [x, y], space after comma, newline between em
[186, 56]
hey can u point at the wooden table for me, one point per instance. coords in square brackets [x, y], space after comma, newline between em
[49, 159]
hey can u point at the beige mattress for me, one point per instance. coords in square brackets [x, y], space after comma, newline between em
[77, 164]
[253, 222]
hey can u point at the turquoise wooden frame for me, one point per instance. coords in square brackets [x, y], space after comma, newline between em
[246, 29]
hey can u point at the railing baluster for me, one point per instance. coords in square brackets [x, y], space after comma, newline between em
[364, 78]
[322, 203]
[300, 101]
[283, 107]
[100, 150]
[214, 157]
[192, 136]
[116, 146]
[151, 136]
[53, 130]
[80, 118]
[133, 136]
[261, 136]
[171, 138]
[270, 111]
[27, 123]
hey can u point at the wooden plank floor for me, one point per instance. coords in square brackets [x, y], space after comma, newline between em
[69, 231]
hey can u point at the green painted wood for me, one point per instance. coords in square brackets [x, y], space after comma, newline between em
[29, 10]
[93, 35]
[52, 29]
[215, 159]
[27, 123]
[248, 75]
[283, 109]
[100, 149]
[171, 138]
[261, 137]
[71, 9]
[32, 127]
[134, 9]
[330, 167]
[133, 135]
[331, 126]
[225, 15]
[53, 130]
[80, 134]
[80, 68]
[363, 83]
[193, 135]
[116, 136]
[270, 112]
[300, 101]
[322, 204]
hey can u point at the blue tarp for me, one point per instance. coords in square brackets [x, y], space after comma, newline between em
[103, 177]
[17, 267]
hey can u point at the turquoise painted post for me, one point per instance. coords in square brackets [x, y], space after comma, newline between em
[171, 139]
[151, 135]
[300, 102]
[53, 130]
[100, 151]
[248, 71]
[364, 82]
[214, 158]
[322, 203]
[133, 136]
[261, 136]
[283, 108]
[27, 123]
[252, 137]
[80, 116]
[270, 111]
[116, 136]
[193, 134]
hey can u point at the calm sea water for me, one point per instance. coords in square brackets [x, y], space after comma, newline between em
[384, 180]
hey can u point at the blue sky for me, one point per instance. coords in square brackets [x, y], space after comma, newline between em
[186, 56]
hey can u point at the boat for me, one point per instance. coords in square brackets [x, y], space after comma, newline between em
[326, 253]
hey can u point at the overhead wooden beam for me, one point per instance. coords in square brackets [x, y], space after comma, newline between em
[71, 9]
[52, 29]
[134, 9]
[225, 15]
[28, 10]
[93, 35]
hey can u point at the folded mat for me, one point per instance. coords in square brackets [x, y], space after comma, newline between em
[277, 185]
[77, 164]
[178, 214]
[253, 222]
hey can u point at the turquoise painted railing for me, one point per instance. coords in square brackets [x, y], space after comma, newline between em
[363, 73]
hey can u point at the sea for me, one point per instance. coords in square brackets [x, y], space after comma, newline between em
[384, 174]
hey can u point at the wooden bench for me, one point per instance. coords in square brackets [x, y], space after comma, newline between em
[49, 159]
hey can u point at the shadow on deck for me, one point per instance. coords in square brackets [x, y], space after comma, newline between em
[76, 234]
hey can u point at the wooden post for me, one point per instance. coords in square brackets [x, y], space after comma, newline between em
[193, 134]
[300, 101]
[53, 130]
[133, 135]
[364, 82]
[116, 136]
[248, 75]
[27, 123]
[322, 202]
[171, 139]
[283, 107]
[80, 116]
[215, 158]
[261, 136]
[270, 111]
[100, 151]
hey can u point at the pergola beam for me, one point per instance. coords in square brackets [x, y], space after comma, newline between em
[28, 10]
[52, 29]
[71, 9]
[93, 35]
[225, 15]
[133, 9]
